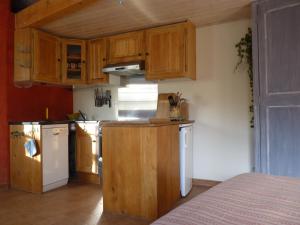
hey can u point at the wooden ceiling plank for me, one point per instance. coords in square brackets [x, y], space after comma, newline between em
[45, 11]
[106, 17]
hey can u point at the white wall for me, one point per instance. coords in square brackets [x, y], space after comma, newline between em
[219, 101]
[83, 99]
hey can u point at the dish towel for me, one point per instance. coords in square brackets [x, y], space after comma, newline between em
[30, 147]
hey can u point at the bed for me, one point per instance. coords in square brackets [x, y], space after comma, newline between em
[246, 199]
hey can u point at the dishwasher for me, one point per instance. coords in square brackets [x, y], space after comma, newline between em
[186, 158]
[55, 156]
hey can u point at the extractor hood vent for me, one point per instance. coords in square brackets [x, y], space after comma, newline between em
[126, 69]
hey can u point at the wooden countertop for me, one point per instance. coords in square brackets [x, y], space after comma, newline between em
[149, 123]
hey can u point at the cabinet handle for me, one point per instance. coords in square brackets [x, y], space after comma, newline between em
[17, 134]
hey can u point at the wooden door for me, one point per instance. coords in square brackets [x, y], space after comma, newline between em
[86, 150]
[46, 58]
[97, 60]
[25, 171]
[277, 87]
[73, 62]
[165, 52]
[126, 47]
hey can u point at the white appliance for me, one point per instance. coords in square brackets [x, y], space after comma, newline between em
[55, 156]
[186, 158]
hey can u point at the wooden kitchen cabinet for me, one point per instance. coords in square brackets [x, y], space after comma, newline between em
[46, 58]
[37, 57]
[171, 52]
[97, 59]
[73, 61]
[126, 47]
[87, 152]
[140, 169]
[25, 172]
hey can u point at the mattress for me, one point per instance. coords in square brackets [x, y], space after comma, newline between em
[246, 199]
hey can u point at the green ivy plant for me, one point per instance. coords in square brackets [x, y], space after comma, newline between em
[244, 50]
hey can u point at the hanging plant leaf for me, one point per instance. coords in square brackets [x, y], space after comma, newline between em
[244, 52]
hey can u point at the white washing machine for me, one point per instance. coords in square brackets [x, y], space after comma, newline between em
[186, 158]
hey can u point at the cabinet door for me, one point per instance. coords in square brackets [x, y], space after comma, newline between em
[171, 52]
[165, 52]
[73, 62]
[25, 171]
[126, 47]
[97, 60]
[86, 151]
[46, 58]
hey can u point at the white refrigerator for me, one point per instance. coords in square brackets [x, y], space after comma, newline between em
[186, 158]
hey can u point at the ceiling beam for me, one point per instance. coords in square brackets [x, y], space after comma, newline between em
[44, 11]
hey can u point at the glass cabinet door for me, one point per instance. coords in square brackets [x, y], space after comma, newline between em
[74, 62]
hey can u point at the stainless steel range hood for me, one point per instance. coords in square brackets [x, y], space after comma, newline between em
[126, 69]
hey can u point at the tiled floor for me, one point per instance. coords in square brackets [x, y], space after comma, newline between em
[75, 204]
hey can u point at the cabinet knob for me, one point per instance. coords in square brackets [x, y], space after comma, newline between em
[58, 60]
[147, 53]
[104, 59]
[140, 54]
[83, 61]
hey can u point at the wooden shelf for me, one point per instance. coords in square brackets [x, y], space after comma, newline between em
[74, 70]
[74, 57]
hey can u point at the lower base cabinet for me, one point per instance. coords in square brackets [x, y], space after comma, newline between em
[140, 170]
[87, 152]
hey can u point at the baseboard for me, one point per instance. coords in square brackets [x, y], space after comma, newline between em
[205, 183]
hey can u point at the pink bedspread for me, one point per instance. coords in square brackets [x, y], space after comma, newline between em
[247, 199]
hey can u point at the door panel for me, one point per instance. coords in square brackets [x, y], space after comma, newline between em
[278, 88]
[97, 60]
[46, 55]
[126, 47]
[165, 50]
[282, 147]
[73, 62]
[283, 50]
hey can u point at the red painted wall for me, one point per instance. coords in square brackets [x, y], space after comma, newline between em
[22, 104]
[4, 30]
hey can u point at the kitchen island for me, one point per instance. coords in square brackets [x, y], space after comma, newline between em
[140, 167]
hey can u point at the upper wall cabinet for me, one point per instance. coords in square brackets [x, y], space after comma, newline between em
[96, 61]
[22, 55]
[126, 47]
[46, 58]
[36, 57]
[171, 52]
[73, 61]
